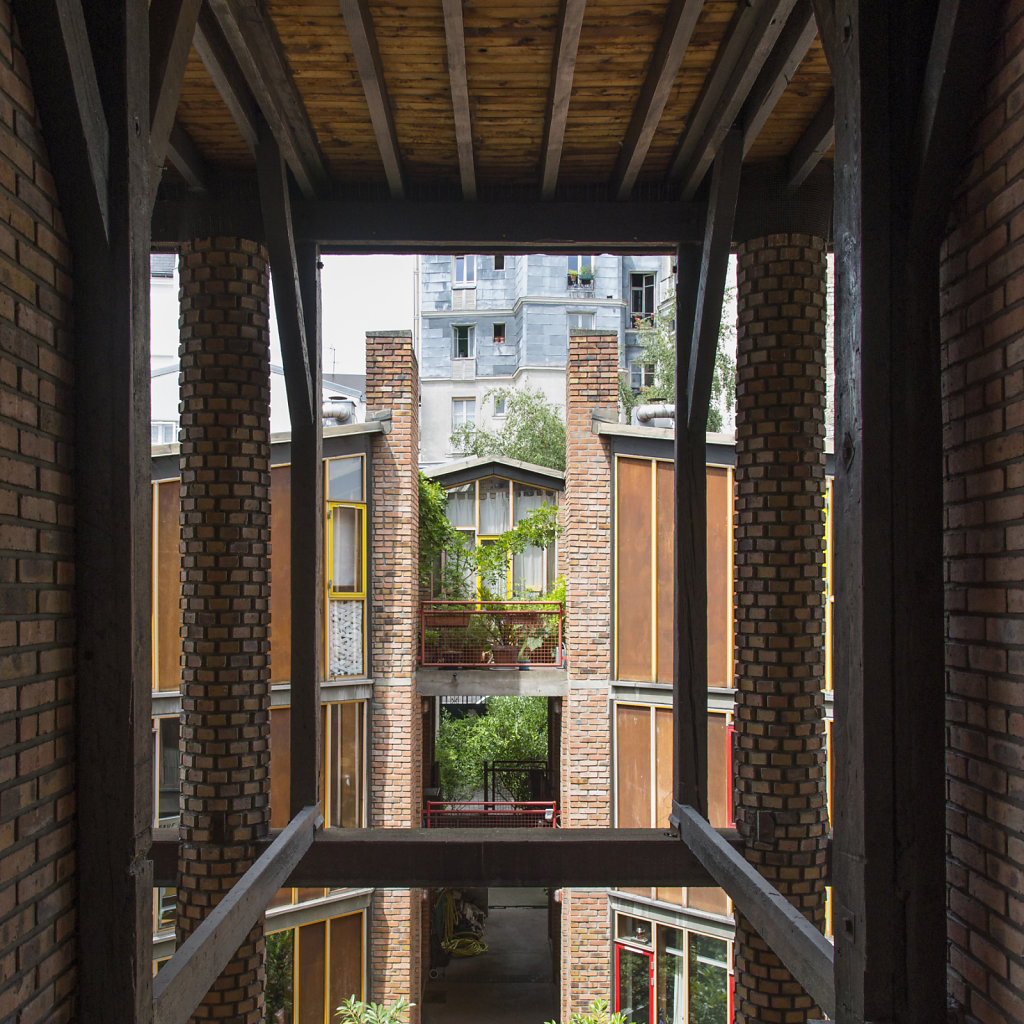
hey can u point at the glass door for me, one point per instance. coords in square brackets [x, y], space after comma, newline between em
[634, 983]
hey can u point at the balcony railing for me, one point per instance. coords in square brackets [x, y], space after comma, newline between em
[490, 814]
[491, 634]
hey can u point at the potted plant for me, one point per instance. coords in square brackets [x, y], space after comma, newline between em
[586, 274]
[573, 277]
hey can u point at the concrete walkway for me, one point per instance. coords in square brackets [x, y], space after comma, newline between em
[512, 983]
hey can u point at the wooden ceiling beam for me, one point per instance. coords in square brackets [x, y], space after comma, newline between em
[664, 67]
[563, 70]
[291, 322]
[363, 40]
[250, 33]
[172, 25]
[825, 17]
[807, 954]
[962, 33]
[227, 77]
[455, 40]
[387, 226]
[69, 94]
[438, 857]
[778, 71]
[186, 159]
[714, 265]
[812, 145]
[741, 56]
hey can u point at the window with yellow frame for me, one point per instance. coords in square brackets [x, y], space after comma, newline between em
[346, 566]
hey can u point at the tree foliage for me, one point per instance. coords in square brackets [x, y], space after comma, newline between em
[355, 1011]
[534, 430]
[596, 1013]
[280, 964]
[454, 566]
[659, 343]
[513, 729]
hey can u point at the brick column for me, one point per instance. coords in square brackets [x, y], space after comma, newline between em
[392, 386]
[591, 384]
[779, 765]
[225, 543]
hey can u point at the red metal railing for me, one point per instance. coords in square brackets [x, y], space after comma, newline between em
[491, 634]
[490, 814]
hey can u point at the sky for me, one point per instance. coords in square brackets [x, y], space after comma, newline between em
[360, 294]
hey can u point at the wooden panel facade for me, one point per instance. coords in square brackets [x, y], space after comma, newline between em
[644, 564]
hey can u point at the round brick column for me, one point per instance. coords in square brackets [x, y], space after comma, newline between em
[591, 384]
[225, 595]
[779, 761]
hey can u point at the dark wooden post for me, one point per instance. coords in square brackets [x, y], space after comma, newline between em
[888, 871]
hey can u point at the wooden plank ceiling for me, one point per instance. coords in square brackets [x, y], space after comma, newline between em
[602, 99]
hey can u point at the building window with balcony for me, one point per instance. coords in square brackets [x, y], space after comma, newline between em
[463, 346]
[580, 271]
[641, 299]
[464, 271]
[346, 567]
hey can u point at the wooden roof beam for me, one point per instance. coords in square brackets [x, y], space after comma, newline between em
[250, 33]
[437, 857]
[563, 69]
[778, 71]
[186, 978]
[172, 25]
[961, 35]
[186, 159]
[807, 954]
[275, 202]
[387, 226]
[361, 34]
[741, 56]
[69, 94]
[668, 56]
[815, 142]
[455, 40]
[825, 16]
[714, 265]
[227, 77]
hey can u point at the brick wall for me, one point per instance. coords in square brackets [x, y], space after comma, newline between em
[392, 385]
[225, 595]
[37, 804]
[779, 760]
[591, 383]
[982, 307]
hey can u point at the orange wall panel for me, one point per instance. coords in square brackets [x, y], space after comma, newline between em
[634, 614]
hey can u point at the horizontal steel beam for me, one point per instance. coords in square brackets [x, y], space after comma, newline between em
[428, 858]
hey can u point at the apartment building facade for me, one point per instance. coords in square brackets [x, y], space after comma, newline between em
[493, 321]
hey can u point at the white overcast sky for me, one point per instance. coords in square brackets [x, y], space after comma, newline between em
[360, 294]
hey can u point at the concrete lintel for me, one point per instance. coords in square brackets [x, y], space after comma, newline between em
[534, 682]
